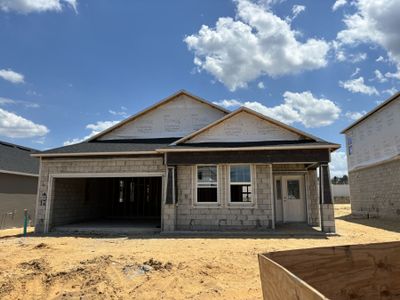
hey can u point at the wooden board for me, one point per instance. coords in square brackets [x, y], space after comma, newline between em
[278, 283]
[259, 156]
[370, 271]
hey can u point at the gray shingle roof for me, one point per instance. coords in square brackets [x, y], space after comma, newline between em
[14, 158]
[113, 146]
[294, 144]
[136, 145]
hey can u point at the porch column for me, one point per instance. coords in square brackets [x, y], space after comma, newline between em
[169, 211]
[327, 211]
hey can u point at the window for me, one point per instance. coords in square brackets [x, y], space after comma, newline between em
[350, 145]
[207, 179]
[240, 183]
[121, 191]
[293, 189]
[278, 189]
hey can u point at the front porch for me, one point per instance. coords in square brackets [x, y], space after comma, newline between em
[287, 188]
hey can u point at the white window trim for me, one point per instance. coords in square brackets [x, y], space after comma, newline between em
[195, 185]
[252, 186]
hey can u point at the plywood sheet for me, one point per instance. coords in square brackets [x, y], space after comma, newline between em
[369, 271]
[176, 118]
[244, 127]
[375, 139]
[278, 283]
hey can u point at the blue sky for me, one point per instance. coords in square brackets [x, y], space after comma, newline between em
[71, 68]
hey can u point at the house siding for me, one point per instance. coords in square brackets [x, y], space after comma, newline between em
[17, 192]
[375, 191]
[192, 216]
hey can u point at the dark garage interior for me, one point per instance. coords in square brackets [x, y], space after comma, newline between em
[96, 204]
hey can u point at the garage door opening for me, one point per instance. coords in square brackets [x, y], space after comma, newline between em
[115, 205]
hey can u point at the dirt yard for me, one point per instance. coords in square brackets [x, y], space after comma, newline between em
[156, 268]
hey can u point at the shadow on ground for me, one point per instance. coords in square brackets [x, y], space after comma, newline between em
[390, 225]
[284, 231]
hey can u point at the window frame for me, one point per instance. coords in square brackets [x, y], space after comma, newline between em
[196, 186]
[349, 145]
[251, 182]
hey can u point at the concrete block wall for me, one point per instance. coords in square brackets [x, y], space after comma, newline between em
[192, 216]
[313, 198]
[328, 218]
[70, 203]
[169, 217]
[88, 165]
[375, 191]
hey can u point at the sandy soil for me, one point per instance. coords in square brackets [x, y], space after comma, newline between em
[156, 268]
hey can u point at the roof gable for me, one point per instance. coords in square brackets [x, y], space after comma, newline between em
[176, 116]
[246, 125]
[396, 96]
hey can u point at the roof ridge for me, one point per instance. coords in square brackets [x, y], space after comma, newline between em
[24, 148]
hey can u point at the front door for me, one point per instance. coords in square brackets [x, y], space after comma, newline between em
[294, 204]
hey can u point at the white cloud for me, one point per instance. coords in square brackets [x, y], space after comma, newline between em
[358, 86]
[257, 42]
[5, 101]
[338, 165]
[95, 128]
[30, 6]
[14, 126]
[356, 71]
[338, 3]
[261, 85]
[297, 9]
[27, 104]
[229, 103]
[10, 75]
[100, 126]
[117, 113]
[379, 76]
[342, 55]
[395, 75]
[380, 58]
[122, 112]
[375, 21]
[355, 115]
[355, 58]
[302, 107]
[73, 4]
[391, 91]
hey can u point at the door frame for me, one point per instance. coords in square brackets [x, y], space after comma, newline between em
[280, 176]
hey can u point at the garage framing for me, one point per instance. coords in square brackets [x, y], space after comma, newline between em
[53, 177]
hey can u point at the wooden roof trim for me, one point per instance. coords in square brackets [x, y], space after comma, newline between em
[18, 173]
[331, 147]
